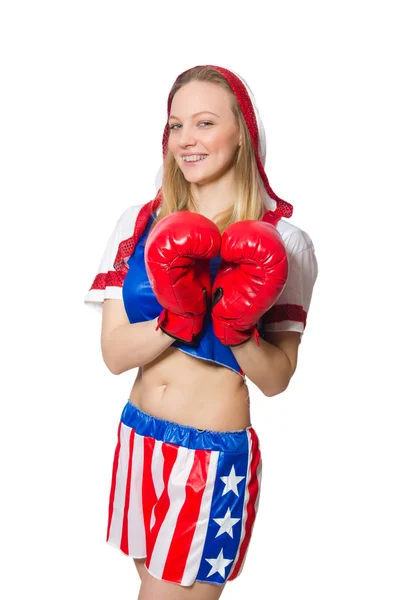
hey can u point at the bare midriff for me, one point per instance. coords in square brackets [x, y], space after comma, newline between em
[187, 390]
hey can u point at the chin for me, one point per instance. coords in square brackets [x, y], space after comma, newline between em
[198, 180]
[201, 178]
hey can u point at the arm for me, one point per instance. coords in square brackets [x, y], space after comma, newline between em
[124, 345]
[271, 365]
[128, 345]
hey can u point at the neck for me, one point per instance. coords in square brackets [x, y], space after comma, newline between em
[215, 196]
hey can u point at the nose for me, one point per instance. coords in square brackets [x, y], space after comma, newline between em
[187, 137]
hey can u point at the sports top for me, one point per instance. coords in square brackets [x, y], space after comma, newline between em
[122, 275]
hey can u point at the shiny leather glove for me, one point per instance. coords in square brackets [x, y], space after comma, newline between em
[177, 258]
[251, 277]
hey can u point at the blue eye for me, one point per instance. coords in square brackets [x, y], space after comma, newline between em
[170, 127]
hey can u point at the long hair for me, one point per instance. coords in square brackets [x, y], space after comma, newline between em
[176, 191]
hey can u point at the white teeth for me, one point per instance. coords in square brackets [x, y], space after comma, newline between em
[194, 158]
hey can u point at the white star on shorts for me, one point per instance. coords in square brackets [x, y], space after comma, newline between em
[218, 564]
[226, 523]
[231, 482]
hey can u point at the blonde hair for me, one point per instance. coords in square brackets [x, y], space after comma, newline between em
[176, 191]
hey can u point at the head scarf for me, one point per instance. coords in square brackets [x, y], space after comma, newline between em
[276, 207]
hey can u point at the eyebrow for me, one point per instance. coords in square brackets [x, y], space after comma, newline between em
[197, 113]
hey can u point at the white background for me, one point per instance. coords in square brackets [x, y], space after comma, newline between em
[83, 106]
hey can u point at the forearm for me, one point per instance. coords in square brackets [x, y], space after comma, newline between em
[133, 345]
[267, 366]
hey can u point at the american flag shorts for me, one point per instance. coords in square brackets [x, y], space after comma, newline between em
[183, 498]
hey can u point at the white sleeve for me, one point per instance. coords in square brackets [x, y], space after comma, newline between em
[289, 313]
[108, 283]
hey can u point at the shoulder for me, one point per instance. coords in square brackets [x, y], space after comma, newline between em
[127, 220]
[289, 313]
[109, 278]
[295, 239]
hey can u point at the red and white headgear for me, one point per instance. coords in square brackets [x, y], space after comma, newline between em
[276, 207]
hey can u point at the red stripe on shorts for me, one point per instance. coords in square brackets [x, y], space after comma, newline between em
[113, 486]
[124, 531]
[187, 519]
[253, 489]
[170, 453]
[148, 492]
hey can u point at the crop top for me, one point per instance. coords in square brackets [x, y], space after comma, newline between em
[122, 275]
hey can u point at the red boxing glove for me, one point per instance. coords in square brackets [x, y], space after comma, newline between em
[177, 258]
[251, 277]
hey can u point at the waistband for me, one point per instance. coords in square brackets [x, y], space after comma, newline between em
[184, 435]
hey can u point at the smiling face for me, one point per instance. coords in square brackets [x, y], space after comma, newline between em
[204, 133]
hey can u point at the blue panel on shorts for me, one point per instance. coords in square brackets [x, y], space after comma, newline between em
[220, 549]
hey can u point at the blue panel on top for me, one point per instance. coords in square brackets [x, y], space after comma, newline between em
[141, 305]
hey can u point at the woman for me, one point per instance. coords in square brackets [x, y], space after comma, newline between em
[199, 288]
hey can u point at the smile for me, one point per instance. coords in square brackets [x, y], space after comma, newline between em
[194, 158]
